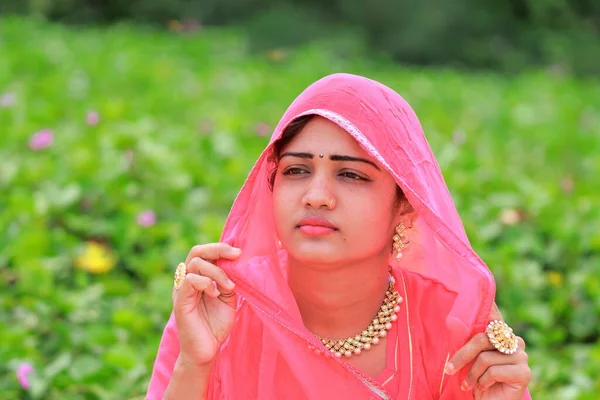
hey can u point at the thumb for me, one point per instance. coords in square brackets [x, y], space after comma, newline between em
[495, 313]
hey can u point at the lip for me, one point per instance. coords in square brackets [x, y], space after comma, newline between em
[317, 221]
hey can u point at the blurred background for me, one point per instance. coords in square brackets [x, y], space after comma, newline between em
[127, 128]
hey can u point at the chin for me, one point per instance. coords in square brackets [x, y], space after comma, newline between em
[312, 253]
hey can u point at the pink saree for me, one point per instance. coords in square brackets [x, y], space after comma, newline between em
[448, 289]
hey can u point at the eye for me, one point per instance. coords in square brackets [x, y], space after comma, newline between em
[295, 171]
[353, 176]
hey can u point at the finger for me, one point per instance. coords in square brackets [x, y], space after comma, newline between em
[514, 373]
[204, 268]
[185, 299]
[487, 359]
[229, 298]
[521, 343]
[213, 251]
[468, 352]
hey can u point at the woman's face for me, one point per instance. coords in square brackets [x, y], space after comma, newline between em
[334, 209]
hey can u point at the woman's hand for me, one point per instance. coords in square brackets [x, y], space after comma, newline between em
[493, 375]
[205, 304]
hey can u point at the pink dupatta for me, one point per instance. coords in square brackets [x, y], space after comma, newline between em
[449, 289]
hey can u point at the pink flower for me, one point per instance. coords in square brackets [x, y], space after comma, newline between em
[567, 185]
[146, 218]
[205, 127]
[129, 156]
[191, 25]
[41, 140]
[92, 118]
[263, 129]
[510, 216]
[7, 100]
[22, 371]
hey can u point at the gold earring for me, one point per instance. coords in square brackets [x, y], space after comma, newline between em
[400, 240]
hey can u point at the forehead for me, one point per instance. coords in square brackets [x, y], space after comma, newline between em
[320, 135]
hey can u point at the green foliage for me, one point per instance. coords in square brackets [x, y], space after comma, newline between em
[499, 34]
[504, 35]
[179, 117]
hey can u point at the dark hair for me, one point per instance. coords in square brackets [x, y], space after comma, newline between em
[287, 136]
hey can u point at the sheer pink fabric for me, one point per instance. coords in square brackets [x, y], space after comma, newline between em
[448, 288]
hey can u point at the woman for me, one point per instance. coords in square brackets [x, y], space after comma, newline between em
[354, 278]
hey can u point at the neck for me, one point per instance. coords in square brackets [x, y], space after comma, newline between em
[339, 302]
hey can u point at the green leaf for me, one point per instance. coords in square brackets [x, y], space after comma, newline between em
[58, 365]
[84, 366]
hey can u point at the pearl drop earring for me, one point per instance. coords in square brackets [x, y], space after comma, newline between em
[400, 240]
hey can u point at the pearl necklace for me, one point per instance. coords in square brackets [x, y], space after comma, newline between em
[354, 345]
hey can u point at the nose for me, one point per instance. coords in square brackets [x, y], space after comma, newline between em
[319, 194]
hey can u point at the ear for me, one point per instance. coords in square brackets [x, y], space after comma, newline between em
[405, 214]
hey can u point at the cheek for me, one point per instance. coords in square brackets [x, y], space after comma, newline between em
[278, 211]
[283, 204]
[370, 221]
[370, 217]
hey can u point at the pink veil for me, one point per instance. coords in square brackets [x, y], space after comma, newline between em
[267, 354]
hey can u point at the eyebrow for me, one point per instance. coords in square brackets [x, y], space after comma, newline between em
[333, 157]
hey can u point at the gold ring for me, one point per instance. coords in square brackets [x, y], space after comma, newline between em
[502, 337]
[180, 273]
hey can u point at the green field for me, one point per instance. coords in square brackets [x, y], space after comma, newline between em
[176, 122]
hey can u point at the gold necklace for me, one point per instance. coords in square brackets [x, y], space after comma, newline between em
[354, 345]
